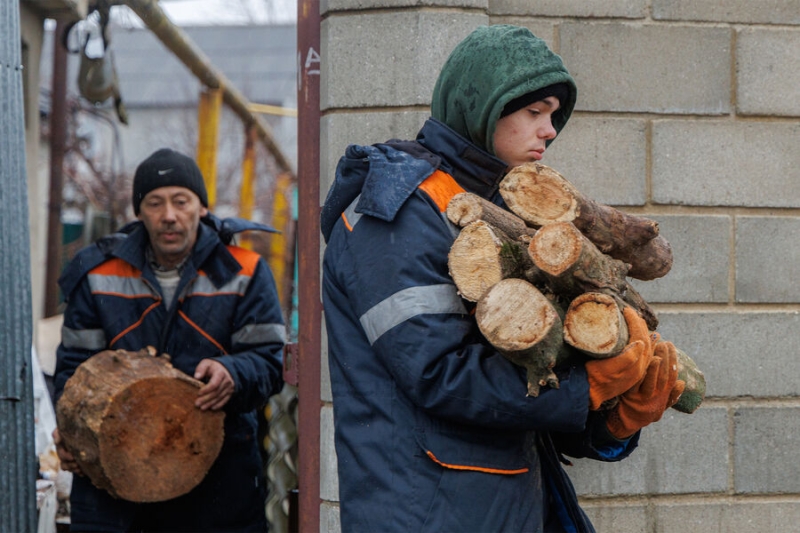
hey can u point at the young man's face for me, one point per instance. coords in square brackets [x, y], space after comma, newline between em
[171, 216]
[522, 136]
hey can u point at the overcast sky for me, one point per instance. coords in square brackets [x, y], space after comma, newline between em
[219, 12]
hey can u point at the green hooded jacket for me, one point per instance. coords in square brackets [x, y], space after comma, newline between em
[491, 67]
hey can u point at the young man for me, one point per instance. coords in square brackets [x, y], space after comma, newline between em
[172, 281]
[434, 431]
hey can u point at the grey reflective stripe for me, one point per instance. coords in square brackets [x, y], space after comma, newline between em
[87, 339]
[350, 213]
[203, 286]
[122, 285]
[408, 303]
[260, 334]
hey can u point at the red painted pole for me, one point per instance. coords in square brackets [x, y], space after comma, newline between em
[308, 235]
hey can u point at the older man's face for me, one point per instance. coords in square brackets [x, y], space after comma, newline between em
[171, 216]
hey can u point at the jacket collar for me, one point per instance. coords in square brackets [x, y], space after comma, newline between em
[473, 168]
[209, 253]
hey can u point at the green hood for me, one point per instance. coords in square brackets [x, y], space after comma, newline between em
[488, 69]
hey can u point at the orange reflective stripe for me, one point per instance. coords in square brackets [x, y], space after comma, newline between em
[203, 333]
[441, 187]
[117, 267]
[477, 468]
[134, 325]
[347, 223]
[247, 258]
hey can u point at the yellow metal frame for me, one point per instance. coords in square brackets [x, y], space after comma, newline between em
[208, 114]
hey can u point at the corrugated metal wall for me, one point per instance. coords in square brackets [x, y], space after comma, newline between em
[17, 454]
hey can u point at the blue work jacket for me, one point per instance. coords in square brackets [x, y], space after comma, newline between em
[226, 308]
[433, 427]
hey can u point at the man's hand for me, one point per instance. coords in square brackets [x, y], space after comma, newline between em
[68, 463]
[608, 378]
[219, 385]
[646, 402]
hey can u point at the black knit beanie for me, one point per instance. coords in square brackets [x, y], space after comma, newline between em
[167, 168]
[559, 90]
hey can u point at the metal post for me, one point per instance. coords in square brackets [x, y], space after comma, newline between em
[208, 116]
[310, 306]
[17, 454]
[58, 135]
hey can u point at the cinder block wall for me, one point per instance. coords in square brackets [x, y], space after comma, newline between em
[689, 113]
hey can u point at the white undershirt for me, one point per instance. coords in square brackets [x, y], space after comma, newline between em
[168, 279]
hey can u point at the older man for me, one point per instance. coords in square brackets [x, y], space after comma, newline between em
[171, 280]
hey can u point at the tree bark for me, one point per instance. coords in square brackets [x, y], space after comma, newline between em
[130, 421]
[574, 265]
[482, 255]
[540, 195]
[522, 324]
[466, 207]
[594, 324]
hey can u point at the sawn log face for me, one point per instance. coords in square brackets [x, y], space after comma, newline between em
[130, 421]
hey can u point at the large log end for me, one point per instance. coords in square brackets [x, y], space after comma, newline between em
[130, 421]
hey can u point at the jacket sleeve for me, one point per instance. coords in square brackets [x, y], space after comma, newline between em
[82, 335]
[392, 278]
[259, 333]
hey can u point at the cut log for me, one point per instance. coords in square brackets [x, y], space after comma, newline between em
[130, 421]
[466, 208]
[540, 195]
[574, 265]
[522, 324]
[595, 325]
[482, 255]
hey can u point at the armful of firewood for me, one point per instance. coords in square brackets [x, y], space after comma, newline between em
[539, 195]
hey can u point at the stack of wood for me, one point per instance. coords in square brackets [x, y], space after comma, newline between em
[129, 420]
[552, 273]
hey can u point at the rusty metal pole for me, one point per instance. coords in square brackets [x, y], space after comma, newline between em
[58, 135]
[309, 305]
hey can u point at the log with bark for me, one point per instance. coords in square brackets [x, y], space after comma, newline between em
[525, 327]
[482, 255]
[540, 195]
[574, 265]
[130, 421]
[466, 208]
[594, 324]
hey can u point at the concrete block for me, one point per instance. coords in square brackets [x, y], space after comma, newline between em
[338, 130]
[329, 519]
[741, 354]
[639, 68]
[765, 450]
[571, 8]
[745, 11]
[767, 259]
[605, 158]
[343, 5]
[768, 71]
[541, 28]
[699, 271]
[726, 163]
[328, 474]
[608, 518]
[679, 454]
[388, 59]
[741, 516]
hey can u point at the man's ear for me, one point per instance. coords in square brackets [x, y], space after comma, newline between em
[203, 211]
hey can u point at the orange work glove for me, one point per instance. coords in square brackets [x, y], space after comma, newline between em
[646, 402]
[608, 378]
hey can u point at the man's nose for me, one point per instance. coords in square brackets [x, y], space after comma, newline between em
[169, 212]
[548, 131]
